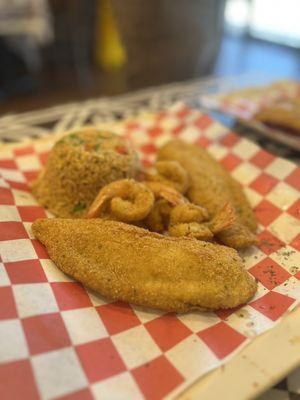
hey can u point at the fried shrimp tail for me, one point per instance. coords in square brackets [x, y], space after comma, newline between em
[224, 219]
[127, 200]
[131, 264]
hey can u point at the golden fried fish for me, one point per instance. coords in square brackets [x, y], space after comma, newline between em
[124, 262]
[284, 115]
[212, 187]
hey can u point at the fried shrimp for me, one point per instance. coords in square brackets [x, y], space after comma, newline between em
[187, 220]
[192, 229]
[163, 191]
[191, 220]
[159, 208]
[127, 200]
[171, 174]
[166, 198]
[158, 218]
[223, 220]
[188, 212]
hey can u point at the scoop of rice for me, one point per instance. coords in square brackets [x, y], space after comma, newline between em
[79, 165]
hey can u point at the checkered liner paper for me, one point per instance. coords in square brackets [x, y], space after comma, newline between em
[59, 340]
[245, 103]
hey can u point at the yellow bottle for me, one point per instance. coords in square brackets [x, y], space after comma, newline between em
[110, 54]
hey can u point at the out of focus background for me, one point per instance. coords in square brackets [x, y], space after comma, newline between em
[55, 51]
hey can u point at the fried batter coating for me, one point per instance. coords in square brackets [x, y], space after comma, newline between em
[159, 217]
[187, 220]
[193, 230]
[241, 204]
[127, 200]
[192, 221]
[124, 262]
[212, 187]
[160, 190]
[188, 212]
[283, 115]
[171, 174]
[159, 208]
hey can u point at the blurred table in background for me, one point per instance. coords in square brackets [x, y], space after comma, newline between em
[71, 71]
[15, 127]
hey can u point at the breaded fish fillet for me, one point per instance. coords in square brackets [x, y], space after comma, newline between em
[124, 262]
[211, 187]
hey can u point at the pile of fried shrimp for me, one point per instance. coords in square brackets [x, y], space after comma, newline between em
[158, 203]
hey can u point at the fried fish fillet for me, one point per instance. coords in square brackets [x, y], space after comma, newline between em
[283, 115]
[124, 262]
[211, 187]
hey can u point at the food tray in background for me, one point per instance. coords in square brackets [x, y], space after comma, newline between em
[243, 103]
[289, 140]
[64, 340]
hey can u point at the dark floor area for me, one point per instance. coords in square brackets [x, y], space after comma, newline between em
[237, 56]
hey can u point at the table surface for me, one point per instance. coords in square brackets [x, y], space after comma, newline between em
[18, 127]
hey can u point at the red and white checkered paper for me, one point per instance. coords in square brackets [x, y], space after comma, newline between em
[245, 105]
[61, 341]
